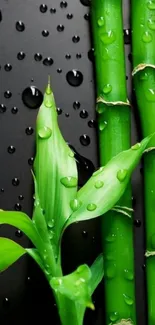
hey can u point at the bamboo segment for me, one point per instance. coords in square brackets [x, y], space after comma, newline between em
[114, 136]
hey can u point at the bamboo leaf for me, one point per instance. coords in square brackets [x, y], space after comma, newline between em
[107, 185]
[55, 167]
[97, 271]
[75, 286]
[10, 252]
[33, 252]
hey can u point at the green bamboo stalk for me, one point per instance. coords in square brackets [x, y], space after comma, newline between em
[114, 136]
[143, 42]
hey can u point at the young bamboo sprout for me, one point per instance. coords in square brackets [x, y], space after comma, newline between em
[143, 47]
[58, 203]
[114, 136]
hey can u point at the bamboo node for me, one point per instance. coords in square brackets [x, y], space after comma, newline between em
[141, 67]
[149, 253]
[123, 322]
[100, 99]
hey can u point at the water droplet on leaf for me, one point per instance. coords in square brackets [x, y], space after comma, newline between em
[99, 184]
[75, 204]
[45, 132]
[91, 207]
[97, 172]
[100, 21]
[121, 174]
[151, 5]
[69, 181]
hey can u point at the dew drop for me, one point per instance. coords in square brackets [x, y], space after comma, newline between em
[6, 302]
[44, 132]
[8, 67]
[59, 70]
[69, 16]
[76, 105]
[137, 223]
[67, 114]
[136, 146]
[30, 161]
[99, 184]
[91, 207]
[68, 56]
[83, 114]
[78, 56]
[75, 39]
[63, 4]
[147, 37]
[50, 223]
[51, 234]
[114, 316]
[99, 171]
[45, 32]
[48, 61]
[102, 125]
[52, 10]
[107, 89]
[14, 110]
[7, 94]
[127, 36]
[29, 130]
[92, 124]
[121, 174]
[2, 190]
[60, 28]
[153, 241]
[38, 57]
[20, 56]
[91, 55]
[74, 78]
[43, 8]
[108, 37]
[17, 207]
[2, 108]
[87, 16]
[110, 238]
[85, 2]
[21, 197]
[75, 204]
[151, 5]
[19, 233]
[128, 275]
[110, 271]
[143, 75]
[150, 94]
[84, 233]
[32, 97]
[85, 140]
[69, 181]
[15, 181]
[151, 24]
[128, 300]
[100, 21]
[11, 149]
[20, 26]
[59, 110]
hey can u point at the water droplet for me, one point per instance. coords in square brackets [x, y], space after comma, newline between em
[51, 234]
[110, 271]
[108, 37]
[101, 21]
[74, 78]
[92, 124]
[20, 26]
[127, 36]
[2, 190]
[114, 316]
[2, 108]
[6, 302]
[45, 132]
[151, 5]
[52, 10]
[67, 114]
[150, 94]
[69, 16]
[63, 4]
[29, 130]
[14, 110]
[102, 125]
[45, 32]
[85, 140]
[60, 28]
[76, 105]
[84, 233]
[15, 181]
[147, 37]
[121, 174]
[7, 94]
[59, 110]
[32, 97]
[153, 241]
[38, 57]
[20, 55]
[91, 207]
[85, 2]
[19, 233]
[17, 207]
[21, 197]
[128, 275]
[69, 181]
[68, 56]
[128, 300]
[75, 39]
[50, 223]
[30, 161]
[43, 8]
[78, 56]
[71, 154]
[110, 238]
[11, 149]
[99, 184]
[151, 24]
[83, 114]
[107, 89]
[137, 223]
[75, 204]
[8, 67]
[98, 171]
[91, 54]
[143, 75]
[48, 61]
[59, 70]
[136, 146]
[87, 16]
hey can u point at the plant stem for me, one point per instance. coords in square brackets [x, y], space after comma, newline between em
[143, 42]
[114, 136]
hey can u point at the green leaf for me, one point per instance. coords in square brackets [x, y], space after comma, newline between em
[55, 167]
[97, 271]
[106, 186]
[33, 252]
[75, 286]
[23, 222]
[10, 252]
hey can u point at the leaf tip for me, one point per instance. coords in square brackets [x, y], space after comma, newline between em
[48, 88]
[91, 305]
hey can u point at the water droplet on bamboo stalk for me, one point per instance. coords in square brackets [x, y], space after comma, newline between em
[151, 24]
[114, 316]
[147, 37]
[121, 174]
[102, 125]
[99, 184]
[44, 132]
[128, 275]
[110, 271]
[143, 75]
[69, 181]
[91, 207]
[75, 204]
[97, 172]
[151, 5]
[107, 89]
[110, 238]
[136, 146]
[74, 78]
[32, 97]
[108, 37]
[50, 223]
[100, 21]
[128, 300]
[150, 94]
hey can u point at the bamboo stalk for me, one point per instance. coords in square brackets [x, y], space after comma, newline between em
[114, 136]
